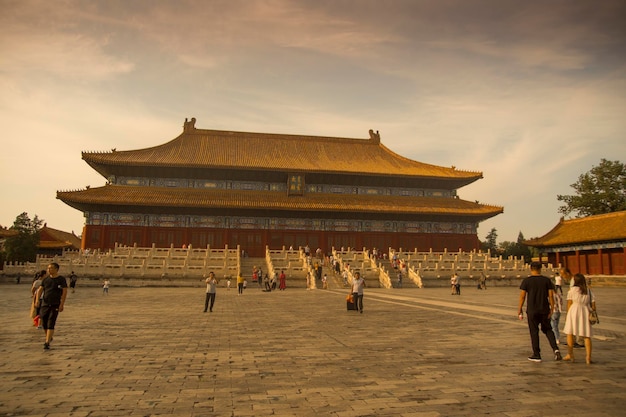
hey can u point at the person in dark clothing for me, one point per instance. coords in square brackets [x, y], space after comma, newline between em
[51, 294]
[538, 292]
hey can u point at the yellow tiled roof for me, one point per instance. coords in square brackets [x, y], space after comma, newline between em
[235, 199]
[6, 233]
[202, 148]
[53, 238]
[600, 228]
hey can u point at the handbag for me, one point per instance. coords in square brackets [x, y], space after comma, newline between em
[593, 315]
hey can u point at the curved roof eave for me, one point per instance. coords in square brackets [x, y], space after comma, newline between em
[202, 148]
[113, 195]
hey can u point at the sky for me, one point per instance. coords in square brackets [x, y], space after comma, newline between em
[532, 94]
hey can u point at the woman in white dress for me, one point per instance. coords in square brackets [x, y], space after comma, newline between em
[577, 321]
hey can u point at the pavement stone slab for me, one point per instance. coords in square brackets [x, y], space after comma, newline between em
[413, 352]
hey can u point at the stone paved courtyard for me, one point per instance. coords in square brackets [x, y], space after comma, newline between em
[414, 352]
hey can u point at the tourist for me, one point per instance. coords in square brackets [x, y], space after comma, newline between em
[283, 281]
[211, 289]
[454, 281]
[51, 299]
[558, 282]
[358, 284]
[567, 276]
[240, 281]
[482, 281]
[399, 279]
[35, 305]
[579, 301]
[73, 279]
[105, 286]
[228, 284]
[325, 282]
[557, 308]
[538, 292]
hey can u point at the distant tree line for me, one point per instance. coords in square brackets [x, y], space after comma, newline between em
[23, 246]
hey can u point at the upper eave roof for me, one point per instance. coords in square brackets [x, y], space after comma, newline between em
[192, 198]
[600, 228]
[203, 148]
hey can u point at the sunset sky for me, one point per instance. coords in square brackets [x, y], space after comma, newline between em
[531, 93]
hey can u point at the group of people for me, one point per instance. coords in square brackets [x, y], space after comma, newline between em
[544, 306]
[543, 301]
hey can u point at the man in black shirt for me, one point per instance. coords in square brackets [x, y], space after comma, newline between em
[54, 290]
[540, 293]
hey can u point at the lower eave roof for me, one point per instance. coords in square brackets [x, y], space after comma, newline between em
[601, 228]
[116, 195]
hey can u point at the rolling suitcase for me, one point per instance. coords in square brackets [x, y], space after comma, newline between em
[350, 303]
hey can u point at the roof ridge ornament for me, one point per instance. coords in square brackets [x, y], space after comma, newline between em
[374, 137]
[190, 125]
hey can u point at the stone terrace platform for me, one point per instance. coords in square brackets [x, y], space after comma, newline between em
[414, 352]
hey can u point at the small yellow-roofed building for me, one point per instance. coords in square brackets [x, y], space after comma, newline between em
[590, 245]
[214, 187]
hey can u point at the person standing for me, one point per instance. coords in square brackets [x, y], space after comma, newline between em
[358, 284]
[239, 284]
[105, 286]
[483, 281]
[73, 279]
[558, 283]
[283, 281]
[579, 302]
[52, 293]
[538, 291]
[211, 290]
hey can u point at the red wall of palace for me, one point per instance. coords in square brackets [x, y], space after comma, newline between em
[593, 262]
[254, 241]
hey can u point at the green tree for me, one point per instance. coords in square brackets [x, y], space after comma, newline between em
[491, 241]
[601, 190]
[516, 249]
[23, 247]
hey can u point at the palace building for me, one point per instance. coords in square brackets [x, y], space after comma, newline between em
[589, 245]
[217, 188]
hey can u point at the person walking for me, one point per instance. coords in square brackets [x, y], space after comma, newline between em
[358, 284]
[580, 301]
[538, 291]
[283, 281]
[211, 290]
[105, 286]
[51, 294]
[36, 296]
[557, 309]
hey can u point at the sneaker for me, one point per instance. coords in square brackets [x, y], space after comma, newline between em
[46, 346]
[534, 358]
[557, 355]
